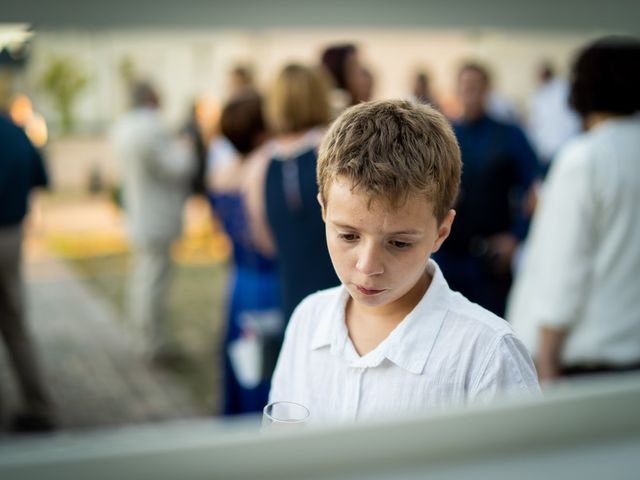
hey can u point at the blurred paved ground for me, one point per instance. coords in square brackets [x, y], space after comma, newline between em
[94, 374]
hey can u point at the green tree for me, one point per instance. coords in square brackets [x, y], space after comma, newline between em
[63, 81]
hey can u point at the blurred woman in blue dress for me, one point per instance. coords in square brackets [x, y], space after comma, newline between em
[253, 309]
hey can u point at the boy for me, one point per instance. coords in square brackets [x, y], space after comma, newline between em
[393, 337]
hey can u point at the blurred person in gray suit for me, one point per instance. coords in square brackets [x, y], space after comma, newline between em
[157, 172]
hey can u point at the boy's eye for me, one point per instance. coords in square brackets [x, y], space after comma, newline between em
[348, 237]
[400, 245]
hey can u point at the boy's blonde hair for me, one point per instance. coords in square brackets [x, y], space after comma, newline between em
[391, 150]
[298, 100]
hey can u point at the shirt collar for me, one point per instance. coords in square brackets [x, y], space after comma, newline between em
[408, 345]
[334, 331]
[412, 341]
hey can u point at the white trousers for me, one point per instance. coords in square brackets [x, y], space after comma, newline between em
[148, 294]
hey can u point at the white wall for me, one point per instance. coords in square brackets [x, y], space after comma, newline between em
[187, 63]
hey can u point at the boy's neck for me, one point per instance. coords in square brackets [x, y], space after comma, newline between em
[369, 326]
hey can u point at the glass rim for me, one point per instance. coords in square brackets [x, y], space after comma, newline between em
[274, 419]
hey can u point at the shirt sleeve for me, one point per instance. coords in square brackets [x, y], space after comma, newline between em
[553, 283]
[527, 167]
[39, 177]
[508, 371]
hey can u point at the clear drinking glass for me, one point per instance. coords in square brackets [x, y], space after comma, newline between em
[284, 415]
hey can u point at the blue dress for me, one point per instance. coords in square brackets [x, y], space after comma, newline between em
[253, 287]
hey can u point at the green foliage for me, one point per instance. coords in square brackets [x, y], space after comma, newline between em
[127, 70]
[63, 81]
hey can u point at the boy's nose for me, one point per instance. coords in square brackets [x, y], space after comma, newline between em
[369, 260]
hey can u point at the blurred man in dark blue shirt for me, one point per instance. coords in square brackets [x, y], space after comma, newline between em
[499, 171]
[21, 170]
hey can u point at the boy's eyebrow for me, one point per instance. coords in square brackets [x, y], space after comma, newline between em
[401, 232]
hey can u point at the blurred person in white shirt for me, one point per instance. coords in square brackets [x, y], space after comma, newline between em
[576, 300]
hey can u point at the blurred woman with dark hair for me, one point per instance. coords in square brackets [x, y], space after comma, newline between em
[254, 296]
[577, 298]
[352, 82]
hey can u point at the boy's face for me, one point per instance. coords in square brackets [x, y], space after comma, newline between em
[380, 254]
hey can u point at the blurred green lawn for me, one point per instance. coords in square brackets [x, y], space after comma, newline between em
[196, 309]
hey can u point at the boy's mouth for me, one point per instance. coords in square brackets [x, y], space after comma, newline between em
[368, 291]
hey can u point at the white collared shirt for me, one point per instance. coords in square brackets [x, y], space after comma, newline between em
[447, 351]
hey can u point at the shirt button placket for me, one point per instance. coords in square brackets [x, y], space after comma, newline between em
[355, 391]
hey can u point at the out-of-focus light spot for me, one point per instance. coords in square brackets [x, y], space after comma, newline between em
[208, 115]
[13, 35]
[450, 106]
[36, 130]
[21, 110]
[34, 124]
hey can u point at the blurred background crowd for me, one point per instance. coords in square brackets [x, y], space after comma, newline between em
[177, 226]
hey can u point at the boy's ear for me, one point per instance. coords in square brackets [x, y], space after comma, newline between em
[444, 230]
[319, 197]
